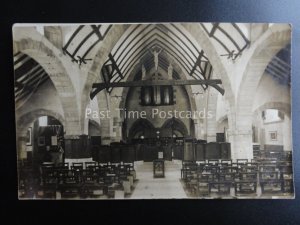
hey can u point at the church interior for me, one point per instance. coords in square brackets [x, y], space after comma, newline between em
[145, 111]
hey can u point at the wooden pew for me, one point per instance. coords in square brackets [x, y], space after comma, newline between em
[245, 183]
[270, 182]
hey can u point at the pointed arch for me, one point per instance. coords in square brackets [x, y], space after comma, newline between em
[49, 57]
[113, 35]
[140, 125]
[272, 41]
[281, 106]
[177, 125]
[27, 118]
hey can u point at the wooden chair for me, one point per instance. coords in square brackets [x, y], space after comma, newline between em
[90, 164]
[245, 183]
[287, 182]
[64, 165]
[242, 161]
[213, 162]
[203, 180]
[77, 166]
[226, 162]
[270, 182]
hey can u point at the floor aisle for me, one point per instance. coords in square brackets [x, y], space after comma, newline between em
[149, 187]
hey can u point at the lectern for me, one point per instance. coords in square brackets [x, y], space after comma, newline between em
[158, 168]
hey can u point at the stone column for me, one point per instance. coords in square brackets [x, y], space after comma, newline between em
[106, 131]
[21, 141]
[199, 129]
[211, 124]
[240, 134]
[106, 123]
[241, 144]
[287, 134]
[22, 148]
[117, 124]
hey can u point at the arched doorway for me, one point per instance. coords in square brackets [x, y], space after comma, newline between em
[271, 134]
[47, 141]
[141, 129]
[40, 140]
[173, 131]
[173, 128]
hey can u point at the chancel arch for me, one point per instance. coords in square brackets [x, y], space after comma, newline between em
[166, 60]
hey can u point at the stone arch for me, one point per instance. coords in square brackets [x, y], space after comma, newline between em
[286, 128]
[138, 125]
[93, 75]
[273, 40]
[102, 101]
[187, 90]
[262, 52]
[50, 58]
[179, 125]
[177, 67]
[29, 117]
[281, 106]
[23, 122]
[221, 71]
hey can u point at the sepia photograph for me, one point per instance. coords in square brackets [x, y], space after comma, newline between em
[153, 111]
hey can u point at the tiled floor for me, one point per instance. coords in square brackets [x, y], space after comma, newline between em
[149, 187]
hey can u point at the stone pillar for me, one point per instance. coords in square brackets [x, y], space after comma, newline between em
[287, 134]
[240, 134]
[211, 121]
[106, 123]
[117, 124]
[241, 144]
[22, 148]
[106, 131]
[72, 125]
[21, 141]
[199, 129]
